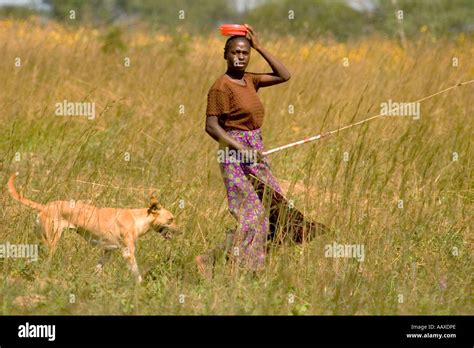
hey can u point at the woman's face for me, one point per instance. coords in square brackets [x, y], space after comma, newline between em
[238, 55]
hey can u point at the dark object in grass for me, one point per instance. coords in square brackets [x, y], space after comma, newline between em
[287, 223]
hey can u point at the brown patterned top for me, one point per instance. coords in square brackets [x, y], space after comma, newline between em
[236, 106]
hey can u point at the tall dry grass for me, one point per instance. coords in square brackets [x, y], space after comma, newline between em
[418, 259]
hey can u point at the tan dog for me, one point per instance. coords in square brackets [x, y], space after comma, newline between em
[109, 228]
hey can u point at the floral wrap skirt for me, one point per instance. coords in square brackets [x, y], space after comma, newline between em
[250, 236]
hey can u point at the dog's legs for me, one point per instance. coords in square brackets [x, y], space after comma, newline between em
[41, 231]
[103, 259]
[52, 231]
[129, 254]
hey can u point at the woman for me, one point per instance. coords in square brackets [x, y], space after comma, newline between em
[234, 116]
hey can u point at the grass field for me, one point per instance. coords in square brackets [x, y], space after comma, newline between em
[148, 134]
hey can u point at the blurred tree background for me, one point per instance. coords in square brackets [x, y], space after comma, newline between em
[341, 19]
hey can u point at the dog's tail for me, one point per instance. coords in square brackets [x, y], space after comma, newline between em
[19, 197]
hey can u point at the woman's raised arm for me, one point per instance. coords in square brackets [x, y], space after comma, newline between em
[280, 72]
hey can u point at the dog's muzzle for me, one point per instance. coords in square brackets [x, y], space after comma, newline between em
[167, 231]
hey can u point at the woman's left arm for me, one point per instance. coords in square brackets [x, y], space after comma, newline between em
[280, 72]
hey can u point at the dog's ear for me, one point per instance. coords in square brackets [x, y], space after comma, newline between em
[154, 205]
[154, 200]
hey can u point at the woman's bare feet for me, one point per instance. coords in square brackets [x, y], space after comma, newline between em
[205, 262]
[203, 266]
